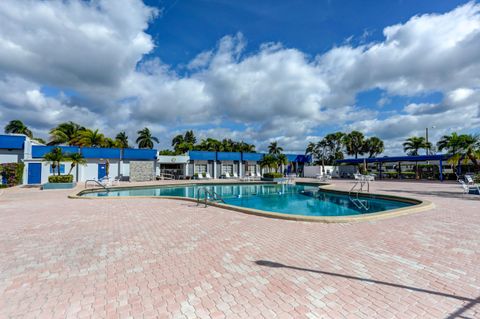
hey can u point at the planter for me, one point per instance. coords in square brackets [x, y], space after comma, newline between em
[58, 185]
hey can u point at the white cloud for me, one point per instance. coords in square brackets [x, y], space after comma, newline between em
[98, 50]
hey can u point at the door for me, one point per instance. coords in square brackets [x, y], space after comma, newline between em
[102, 171]
[34, 173]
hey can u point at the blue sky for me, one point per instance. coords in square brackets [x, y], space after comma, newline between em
[259, 71]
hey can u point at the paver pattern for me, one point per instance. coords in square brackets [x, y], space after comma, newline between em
[145, 258]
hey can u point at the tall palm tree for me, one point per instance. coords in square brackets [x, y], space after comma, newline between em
[145, 138]
[336, 145]
[354, 143]
[281, 160]
[374, 146]
[274, 149]
[269, 161]
[17, 127]
[413, 144]
[190, 137]
[311, 149]
[65, 133]
[90, 138]
[122, 140]
[464, 146]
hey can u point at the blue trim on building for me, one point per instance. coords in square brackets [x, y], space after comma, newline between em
[93, 152]
[252, 156]
[387, 159]
[202, 156]
[13, 142]
[39, 151]
[229, 156]
[139, 154]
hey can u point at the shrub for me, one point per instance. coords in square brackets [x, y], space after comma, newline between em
[60, 179]
[12, 173]
[273, 175]
[476, 178]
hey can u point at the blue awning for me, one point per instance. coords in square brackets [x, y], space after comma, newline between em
[39, 151]
[139, 154]
[252, 156]
[229, 156]
[12, 142]
[420, 158]
[202, 156]
[299, 158]
[92, 152]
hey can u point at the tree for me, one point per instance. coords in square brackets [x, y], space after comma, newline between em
[75, 159]
[90, 138]
[66, 133]
[274, 149]
[354, 143]
[281, 160]
[413, 144]
[461, 147]
[55, 157]
[269, 161]
[17, 127]
[335, 142]
[122, 140]
[374, 146]
[145, 138]
[190, 137]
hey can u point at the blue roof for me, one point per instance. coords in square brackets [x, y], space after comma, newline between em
[202, 156]
[252, 156]
[229, 156]
[419, 158]
[93, 152]
[139, 154]
[40, 150]
[12, 141]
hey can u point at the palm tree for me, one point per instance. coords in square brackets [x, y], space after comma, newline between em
[65, 133]
[109, 142]
[354, 143]
[90, 138]
[374, 146]
[269, 161]
[17, 127]
[281, 160]
[274, 149]
[177, 140]
[75, 159]
[145, 138]
[464, 146]
[55, 157]
[190, 137]
[336, 145]
[413, 144]
[311, 149]
[122, 140]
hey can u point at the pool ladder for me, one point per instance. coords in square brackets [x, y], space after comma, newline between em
[354, 192]
[207, 195]
[97, 182]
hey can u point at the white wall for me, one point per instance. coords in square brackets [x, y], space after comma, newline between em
[7, 156]
[90, 171]
[313, 171]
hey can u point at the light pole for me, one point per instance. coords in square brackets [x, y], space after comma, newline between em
[427, 147]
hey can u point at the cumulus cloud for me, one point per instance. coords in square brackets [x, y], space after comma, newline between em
[99, 50]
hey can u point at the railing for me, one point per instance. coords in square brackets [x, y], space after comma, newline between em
[97, 182]
[166, 176]
[361, 182]
[206, 194]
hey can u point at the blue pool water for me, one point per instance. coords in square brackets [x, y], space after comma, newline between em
[287, 199]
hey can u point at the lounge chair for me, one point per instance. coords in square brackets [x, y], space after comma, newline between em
[235, 175]
[227, 175]
[468, 188]
[259, 175]
[207, 176]
[199, 176]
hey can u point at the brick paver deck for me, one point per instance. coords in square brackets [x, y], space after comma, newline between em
[164, 258]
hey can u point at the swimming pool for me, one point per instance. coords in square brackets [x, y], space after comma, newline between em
[304, 200]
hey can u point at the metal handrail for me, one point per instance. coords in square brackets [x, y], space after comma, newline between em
[94, 180]
[354, 198]
[166, 176]
[206, 192]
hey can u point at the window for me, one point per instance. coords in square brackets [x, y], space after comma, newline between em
[200, 168]
[227, 169]
[54, 171]
[252, 169]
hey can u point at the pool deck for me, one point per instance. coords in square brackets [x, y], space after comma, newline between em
[61, 257]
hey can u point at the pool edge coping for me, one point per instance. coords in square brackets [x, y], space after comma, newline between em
[420, 205]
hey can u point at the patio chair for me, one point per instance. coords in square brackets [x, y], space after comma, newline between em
[469, 180]
[235, 175]
[468, 188]
[199, 176]
[259, 175]
[227, 175]
[207, 176]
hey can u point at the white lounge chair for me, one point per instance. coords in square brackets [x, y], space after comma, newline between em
[227, 175]
[259, 175]
[468, 188]
[199, 176]
[235, 175]
[207, 176]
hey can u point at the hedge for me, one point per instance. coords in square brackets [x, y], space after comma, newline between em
[12, 173]
[273, 175]
[60, 179]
